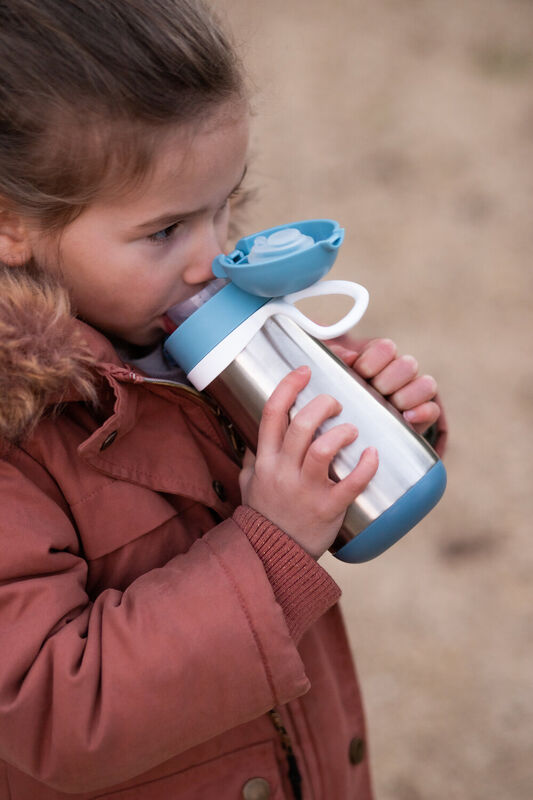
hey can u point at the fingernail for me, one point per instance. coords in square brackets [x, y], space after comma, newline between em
[302, 370]
[410, 415]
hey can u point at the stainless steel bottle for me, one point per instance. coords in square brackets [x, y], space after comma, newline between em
[259, 342]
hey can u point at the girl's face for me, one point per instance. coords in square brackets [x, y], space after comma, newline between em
[126, 261]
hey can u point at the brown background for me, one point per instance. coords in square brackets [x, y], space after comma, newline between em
[411, 122]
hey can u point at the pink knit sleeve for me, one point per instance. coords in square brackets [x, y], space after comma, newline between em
[303, 589]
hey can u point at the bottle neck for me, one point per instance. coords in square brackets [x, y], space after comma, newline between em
[179, 312]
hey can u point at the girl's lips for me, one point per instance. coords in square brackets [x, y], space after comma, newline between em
[168, 325]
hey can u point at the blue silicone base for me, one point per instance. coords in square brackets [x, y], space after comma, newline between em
[397, 520]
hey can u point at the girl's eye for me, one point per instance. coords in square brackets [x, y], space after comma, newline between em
[164, 234]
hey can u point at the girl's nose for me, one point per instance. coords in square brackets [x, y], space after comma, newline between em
[205, 249]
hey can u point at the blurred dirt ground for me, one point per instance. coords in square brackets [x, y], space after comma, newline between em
[411, 122]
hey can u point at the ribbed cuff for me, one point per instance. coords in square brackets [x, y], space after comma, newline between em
[303, 589]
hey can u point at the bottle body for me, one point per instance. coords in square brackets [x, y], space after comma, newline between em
[239, 336]
[410, 478]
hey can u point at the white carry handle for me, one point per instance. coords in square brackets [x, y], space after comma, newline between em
[285, 305]
[225, 351]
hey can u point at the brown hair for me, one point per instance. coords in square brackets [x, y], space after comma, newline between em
[85, 84]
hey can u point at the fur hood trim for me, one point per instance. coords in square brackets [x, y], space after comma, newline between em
[43, 356]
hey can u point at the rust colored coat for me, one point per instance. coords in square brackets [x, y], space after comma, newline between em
[148, 622]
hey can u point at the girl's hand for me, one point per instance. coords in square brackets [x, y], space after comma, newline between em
[395, 377]
[288, 481]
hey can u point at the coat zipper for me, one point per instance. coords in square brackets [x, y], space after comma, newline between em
[293, 772]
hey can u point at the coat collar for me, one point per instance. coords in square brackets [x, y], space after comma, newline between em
[164, 438]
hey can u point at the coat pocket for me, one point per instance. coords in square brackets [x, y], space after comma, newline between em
[251, 773]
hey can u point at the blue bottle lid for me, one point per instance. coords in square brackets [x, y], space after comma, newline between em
[265, 265]
[284, 259]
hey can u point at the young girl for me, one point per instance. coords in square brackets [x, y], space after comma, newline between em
[164, 632]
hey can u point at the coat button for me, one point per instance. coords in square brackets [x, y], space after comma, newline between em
[356, 750]
[256, 789]
[219, 490]
[109, 440]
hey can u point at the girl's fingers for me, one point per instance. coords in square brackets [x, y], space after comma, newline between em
[418, 391]
[324, 449]
[396, 375]
[275, 417]
[375, 357]
[356, 482]
[305, 423]
[423, 416]
[347, 356]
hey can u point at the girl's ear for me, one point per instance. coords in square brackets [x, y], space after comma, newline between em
[15, 247]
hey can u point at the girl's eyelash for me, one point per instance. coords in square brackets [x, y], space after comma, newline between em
[163, 234]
